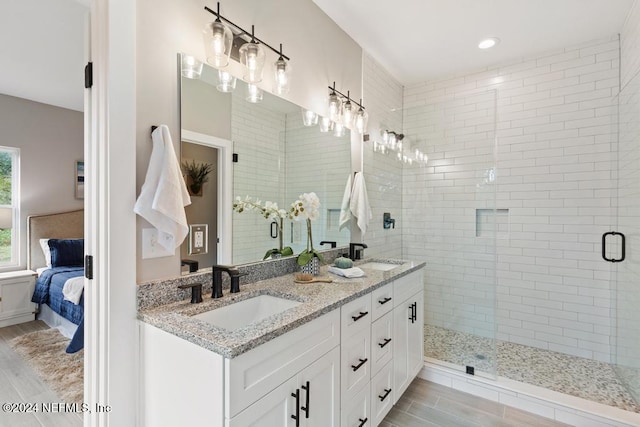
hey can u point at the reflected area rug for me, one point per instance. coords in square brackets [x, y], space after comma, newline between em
[45, 352]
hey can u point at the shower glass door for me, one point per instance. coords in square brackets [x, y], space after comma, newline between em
[456, 225]
[625, 282]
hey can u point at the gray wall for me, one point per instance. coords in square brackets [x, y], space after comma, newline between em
[50, 140]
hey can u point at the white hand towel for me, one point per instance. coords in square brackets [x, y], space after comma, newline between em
[359, 205]
[72, 289]
[345, 210]
[164, 193]
[346, 272]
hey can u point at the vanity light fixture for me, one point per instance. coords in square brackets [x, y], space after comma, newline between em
[191, 68]
[218, 39]
[252, 56]
[226, 81]
[488, 43]
[344, 112]
[309, 118]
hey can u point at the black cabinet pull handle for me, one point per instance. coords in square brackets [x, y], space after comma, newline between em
[604, 246]
[360, 316]
[362, 422]
[384, 396]
[359, 365]
[386, 341]
[415, 312]
[411, 315]
[297, 415]
[384, 301]
[305, 408]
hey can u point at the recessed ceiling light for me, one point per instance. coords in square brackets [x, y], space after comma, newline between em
[488, 43]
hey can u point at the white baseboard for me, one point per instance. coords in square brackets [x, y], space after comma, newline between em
[537, 400]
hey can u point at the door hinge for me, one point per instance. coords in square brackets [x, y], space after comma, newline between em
[88, 267]
[88, 75]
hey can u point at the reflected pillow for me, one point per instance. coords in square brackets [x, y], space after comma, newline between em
[67, 252]
[44, 244]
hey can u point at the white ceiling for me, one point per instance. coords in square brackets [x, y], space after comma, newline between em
[41, 57]
[418, 40]
[42, 50]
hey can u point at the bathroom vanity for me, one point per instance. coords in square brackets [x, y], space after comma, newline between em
[334, 354]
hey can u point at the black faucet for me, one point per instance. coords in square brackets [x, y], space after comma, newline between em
[196, 291]
[356, 254]
[235, 280]
[217, 279]
[329, 242]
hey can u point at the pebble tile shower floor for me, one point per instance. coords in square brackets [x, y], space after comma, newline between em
[576, 376]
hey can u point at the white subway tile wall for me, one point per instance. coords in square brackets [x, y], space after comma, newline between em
[555, 126]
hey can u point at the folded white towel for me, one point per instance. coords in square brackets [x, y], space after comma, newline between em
[164, 193]
[360, 203]
[72, 289]
[345, 210]
[346, 272]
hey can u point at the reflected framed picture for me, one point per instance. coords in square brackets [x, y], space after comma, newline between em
[79, 179]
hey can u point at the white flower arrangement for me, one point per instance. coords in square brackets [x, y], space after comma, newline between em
[307, 207]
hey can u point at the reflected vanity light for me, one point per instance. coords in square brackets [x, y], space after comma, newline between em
[191, 67]
[339, 129]
[254, 93]
[361, 119]
[344, 112]
[326, 125]
[282, 70]
[309, 118]
[226, 82]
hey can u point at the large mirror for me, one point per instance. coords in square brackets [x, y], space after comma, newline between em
[276, 158]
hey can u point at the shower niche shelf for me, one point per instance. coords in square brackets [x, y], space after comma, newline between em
[492, 223]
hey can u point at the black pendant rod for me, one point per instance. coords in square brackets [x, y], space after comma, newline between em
[333, 89]
[245, 31]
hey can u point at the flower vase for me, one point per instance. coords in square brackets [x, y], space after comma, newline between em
[312, 267]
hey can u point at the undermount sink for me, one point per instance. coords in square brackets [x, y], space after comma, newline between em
[242, 313]
[378, 265]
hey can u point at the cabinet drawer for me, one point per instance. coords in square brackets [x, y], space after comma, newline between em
[381, 394]
[262, 369]
[381, 342]
[355, 362]
[357, 413]
[356, 315]
[407, 286]
[382, 301]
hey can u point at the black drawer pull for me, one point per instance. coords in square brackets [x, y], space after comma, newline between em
[297, 415]
[384, 301]
[305, 408]
[384, 396]
[386, 341]
[362, 422]
[360, 316]
[359, 365]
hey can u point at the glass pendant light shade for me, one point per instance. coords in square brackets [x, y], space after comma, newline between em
[335, 107]
[361, 120]
[309, 118]
[191, 68]
[385, 136]
[282, 70]
[226, 81]
[252, 57]
[217, 42]
[339, 129]
[326, 125]
[254, 94]
[347, 113]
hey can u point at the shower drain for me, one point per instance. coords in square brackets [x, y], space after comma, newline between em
[480, 356]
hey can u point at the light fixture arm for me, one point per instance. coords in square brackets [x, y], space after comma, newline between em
[253, 38]
[336, 91]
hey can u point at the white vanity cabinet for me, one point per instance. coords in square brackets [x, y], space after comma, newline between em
[408, 325]
[310, 398]
[16, 289]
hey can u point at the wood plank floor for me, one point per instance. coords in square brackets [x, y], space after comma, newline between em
[426, 404]
[20, 384]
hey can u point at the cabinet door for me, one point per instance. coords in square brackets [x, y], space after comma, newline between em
[415, 349]
[320, 391]
[381, 394]
[274, 409]
[15, 296]
[357, 412]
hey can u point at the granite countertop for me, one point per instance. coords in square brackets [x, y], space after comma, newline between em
[316, 299]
